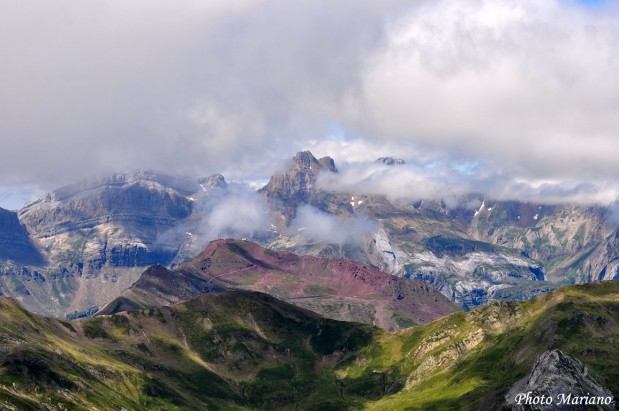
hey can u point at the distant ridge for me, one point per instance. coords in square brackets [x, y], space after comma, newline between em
[336, 288]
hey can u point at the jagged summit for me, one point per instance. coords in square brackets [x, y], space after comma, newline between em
[390, 161]
[211, 182]
[558, 375]
[296, 184]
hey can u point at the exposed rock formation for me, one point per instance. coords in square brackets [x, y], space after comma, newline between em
[390, 161]
[296, 185]
[15, 243]
[336, 288]
[561, 378]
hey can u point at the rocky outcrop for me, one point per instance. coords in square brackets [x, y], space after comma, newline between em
[390, 161]
[15, 243]
[336, 288]
[296, 185]
[559, 382]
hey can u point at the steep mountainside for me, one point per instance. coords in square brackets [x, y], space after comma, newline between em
[15, 243]
[335, 288]
[231, 350]
[476, 251]
[566, 238]
[469, 361]
[296, 185]
[78, 247]
[95, 237]
[242, 350]
[421, 240]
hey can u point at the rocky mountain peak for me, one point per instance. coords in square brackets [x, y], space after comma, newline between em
[305, 160]
[211, 182]
[390, 161]
[296, 184]
[557, 375]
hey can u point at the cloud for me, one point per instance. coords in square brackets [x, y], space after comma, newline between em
[444, 179]
[238, 214]
[526, 88]
[317, 226]
[527, 84]
[198, 87]
[236, 211]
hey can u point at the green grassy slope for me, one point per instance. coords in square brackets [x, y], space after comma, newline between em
[242, 350]
[469, 360]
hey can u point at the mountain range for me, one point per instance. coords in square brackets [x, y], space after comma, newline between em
[334, 300]
[71, 251]
[335, 288]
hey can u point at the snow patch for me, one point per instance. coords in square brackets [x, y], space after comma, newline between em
[481, 207]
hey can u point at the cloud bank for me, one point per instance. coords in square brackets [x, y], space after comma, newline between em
[317, 226]
[527, 88]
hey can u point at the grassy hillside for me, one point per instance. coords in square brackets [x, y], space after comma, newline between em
[242, 350]
[469, 360]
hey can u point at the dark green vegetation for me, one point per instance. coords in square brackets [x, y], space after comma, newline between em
[242, 350]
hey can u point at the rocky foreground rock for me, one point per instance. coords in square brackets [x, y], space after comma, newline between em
[559, 382]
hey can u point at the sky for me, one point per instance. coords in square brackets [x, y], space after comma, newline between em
[513, 98]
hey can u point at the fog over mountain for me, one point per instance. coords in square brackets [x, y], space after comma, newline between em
[515, 99]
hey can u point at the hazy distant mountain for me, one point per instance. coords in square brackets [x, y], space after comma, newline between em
[335, 288]
[16, 245]
[76, 248]
[96, 237]
[473, 254]
[421, 240]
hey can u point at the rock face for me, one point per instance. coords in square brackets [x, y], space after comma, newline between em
[565, 238]
[296, 185]
[424, 240]
[559, 376]
[390, 161]
[15, 243]
[336, 288]
[474, 251]
[111, 221]
[96, 236]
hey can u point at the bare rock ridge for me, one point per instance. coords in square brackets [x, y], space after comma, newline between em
[557, 375]
[391, 161]
[15, 243]
[296, 185]
[336, 288]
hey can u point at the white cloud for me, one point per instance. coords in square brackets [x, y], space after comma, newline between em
[528, 84]
[318, 226]
[527, 87]
[239, 214]
[450, 181]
